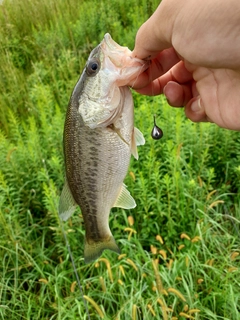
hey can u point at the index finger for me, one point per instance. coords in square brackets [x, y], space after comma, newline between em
[163, 62]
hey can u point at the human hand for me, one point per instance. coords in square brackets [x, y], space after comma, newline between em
[194, 48]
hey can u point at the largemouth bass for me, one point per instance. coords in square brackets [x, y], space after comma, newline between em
[99, 138]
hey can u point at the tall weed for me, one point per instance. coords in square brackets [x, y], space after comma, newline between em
[180, 245]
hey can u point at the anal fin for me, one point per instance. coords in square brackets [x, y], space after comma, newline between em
[124, 199]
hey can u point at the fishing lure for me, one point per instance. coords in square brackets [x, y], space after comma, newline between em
[157, 132]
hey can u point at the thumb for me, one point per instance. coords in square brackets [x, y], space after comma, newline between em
[195, 110]
[155, 34]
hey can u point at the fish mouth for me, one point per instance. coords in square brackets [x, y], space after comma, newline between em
[119, 56]
[127, 66]
[105, 46]
[108, 48]
[111, 44]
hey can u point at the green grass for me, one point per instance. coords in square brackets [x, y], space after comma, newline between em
[181, 259]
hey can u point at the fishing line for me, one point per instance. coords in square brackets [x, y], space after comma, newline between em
[75, 269]
[69, 250]
[156, 132]
[140, 71]
[228, 216]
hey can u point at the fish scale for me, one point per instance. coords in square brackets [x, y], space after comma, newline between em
[95, 193]
[99, 138]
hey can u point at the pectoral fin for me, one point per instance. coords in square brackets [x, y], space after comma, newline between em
[124, 199]
[137, 140]
[140, 141]
[67, 204]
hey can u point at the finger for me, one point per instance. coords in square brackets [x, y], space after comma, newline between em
[155, 34]
[177, 95]
[164, 61]
[195, 111]
[178, 73]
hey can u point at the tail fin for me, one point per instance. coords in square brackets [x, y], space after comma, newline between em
[93, 250]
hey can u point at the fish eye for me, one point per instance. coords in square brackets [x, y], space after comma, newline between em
[93, 67]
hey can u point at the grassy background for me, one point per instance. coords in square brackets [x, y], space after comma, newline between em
[180, 245]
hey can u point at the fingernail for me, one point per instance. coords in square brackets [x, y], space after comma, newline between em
[196, 106]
